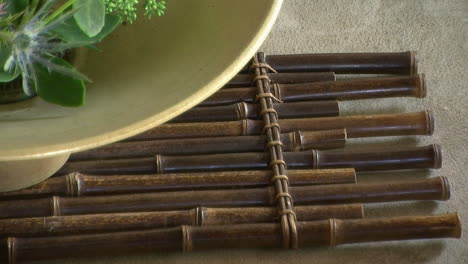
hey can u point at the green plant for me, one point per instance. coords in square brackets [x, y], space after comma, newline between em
[35, 35]
[127, 9]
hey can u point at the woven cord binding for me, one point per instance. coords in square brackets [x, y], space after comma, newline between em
[274, 145]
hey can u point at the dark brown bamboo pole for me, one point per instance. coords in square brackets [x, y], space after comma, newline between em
[294, 141]
[243, 110]
[348, 89]
[304, 109]
[199, 216]
[346, 63]
[245, 79]
[423, 189]
[330, 232]
[418, 123]
[424, 157]
[77, 184]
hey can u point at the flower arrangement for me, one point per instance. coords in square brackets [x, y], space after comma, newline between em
[35, 36]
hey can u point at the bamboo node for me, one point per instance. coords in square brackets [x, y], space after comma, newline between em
[72, 182]
[241, 110]
[315, 159]
[186, 240]
[158, 164]
[11, 249]
[199, 215]
[296, 139]
[56, 206]
[245, 127]
[332, 232]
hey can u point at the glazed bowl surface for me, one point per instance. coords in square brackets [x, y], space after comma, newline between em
[146, 73]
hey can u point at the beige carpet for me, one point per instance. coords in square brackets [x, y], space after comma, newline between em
[437, 30]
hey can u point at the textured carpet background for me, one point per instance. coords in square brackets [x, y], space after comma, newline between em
[437, 30]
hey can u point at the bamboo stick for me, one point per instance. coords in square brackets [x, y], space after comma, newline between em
[243, 79]
[345, 63]
[418, 123]
[243, 110]
[330, 232]
[348, 89]
[199, 216]
[294, 141]
[77, 184]
[423, 189]
[362, 160]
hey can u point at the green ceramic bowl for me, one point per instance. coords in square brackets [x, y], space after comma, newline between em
[146, 74]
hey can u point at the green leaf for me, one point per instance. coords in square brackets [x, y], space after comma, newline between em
[90, 16]
[16, 6]
[94, 48]
[71, 33]
[6, 76]
[59, 89]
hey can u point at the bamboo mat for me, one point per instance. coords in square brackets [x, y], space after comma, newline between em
[436, 30]
[266, 170]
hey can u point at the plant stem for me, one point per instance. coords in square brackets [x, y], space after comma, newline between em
[29, 14]
[59, 11]
[5, 36]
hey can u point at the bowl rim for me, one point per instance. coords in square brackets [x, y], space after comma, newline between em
[161, 117]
